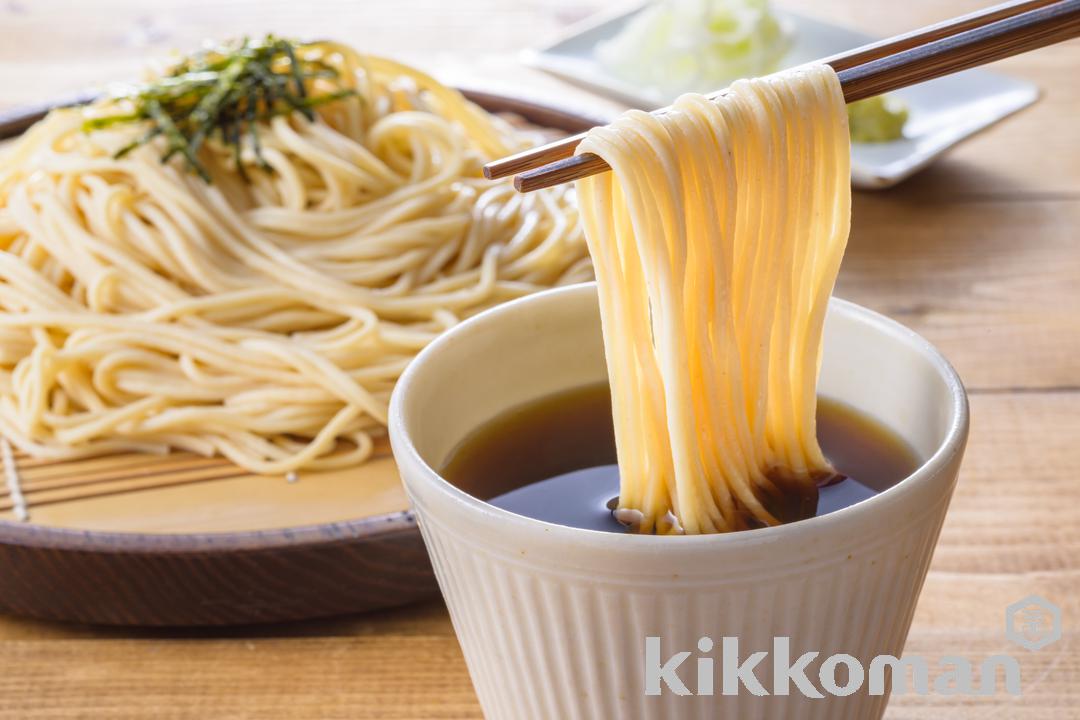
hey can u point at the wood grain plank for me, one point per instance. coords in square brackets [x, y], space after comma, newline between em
[393, 676]
[1017, 506]
[1011, 532]
[995, 285]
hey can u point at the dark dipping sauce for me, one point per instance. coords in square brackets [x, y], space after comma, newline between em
[572, 433]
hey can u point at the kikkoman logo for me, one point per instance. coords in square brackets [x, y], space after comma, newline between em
[1033, 623]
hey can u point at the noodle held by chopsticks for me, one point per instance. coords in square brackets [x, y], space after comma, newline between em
[717, 239]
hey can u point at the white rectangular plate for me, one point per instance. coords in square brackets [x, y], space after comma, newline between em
[942, 112]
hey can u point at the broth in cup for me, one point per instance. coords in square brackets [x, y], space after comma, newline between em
[554, 459]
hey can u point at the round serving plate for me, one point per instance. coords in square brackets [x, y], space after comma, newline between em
[184, 540]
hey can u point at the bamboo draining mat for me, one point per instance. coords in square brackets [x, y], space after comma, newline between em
[185, 493]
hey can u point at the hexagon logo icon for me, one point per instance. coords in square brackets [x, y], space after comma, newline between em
[1033, 622]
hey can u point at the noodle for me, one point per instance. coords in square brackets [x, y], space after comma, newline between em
[266, 319]
[716, 240]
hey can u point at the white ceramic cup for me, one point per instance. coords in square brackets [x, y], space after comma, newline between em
[553, 620]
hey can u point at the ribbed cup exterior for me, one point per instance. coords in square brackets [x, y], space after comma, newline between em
[553, 620]
[544, 641]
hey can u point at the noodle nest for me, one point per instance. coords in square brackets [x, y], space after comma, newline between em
[263, 318]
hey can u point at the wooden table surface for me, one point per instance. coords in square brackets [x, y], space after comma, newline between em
[981, 253]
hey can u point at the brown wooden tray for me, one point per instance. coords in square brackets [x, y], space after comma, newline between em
[183, 540]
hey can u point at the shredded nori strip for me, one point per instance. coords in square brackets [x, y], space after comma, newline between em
[224, 92]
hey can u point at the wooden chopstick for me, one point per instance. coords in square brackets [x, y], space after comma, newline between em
[930, 33]
[564, 148]
[1012, 36]
[1030, 26]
